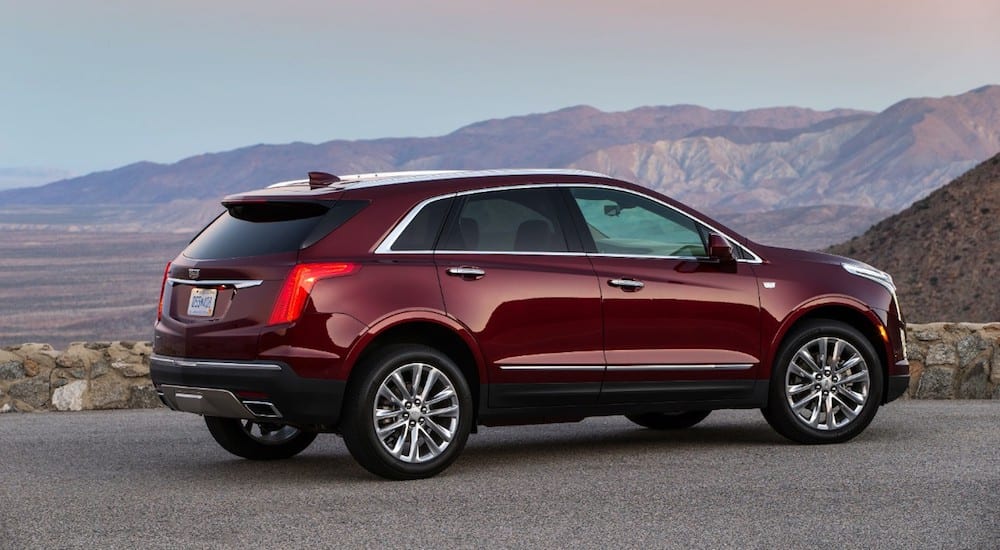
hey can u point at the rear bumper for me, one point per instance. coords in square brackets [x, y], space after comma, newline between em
[267, 391]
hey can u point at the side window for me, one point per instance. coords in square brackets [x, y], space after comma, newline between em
[627, 224]
[517, 220]
[423, 229]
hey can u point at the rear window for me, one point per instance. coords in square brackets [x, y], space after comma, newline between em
[258, 229]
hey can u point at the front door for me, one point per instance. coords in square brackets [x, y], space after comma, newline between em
[678, 326]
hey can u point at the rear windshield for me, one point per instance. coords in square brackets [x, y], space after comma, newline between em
[259, 229]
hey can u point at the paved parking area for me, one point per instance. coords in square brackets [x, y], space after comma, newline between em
[925, 474]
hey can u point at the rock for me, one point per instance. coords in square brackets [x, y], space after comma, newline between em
[941, 354]
[143, 348]
[127, 362]
[970, 347]
[916, 371]
[6, 408]
[96, 345]
[11, 366]
[78, 356]
[70, 396]
[33, 391]
[107, 392]
[144, 397]
[131, 369]
[935, 383]
[975, 383]
[926, 334]
[39, 359]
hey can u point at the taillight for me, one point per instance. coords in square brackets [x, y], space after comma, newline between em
[163, 287]
[292, 298]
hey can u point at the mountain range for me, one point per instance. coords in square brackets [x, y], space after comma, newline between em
[784, 175]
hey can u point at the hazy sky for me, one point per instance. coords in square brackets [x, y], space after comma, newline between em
[94, 84]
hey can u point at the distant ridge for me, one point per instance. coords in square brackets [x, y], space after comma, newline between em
[786, 161]
[944, 251]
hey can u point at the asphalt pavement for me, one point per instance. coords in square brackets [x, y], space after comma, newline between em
[924, 475]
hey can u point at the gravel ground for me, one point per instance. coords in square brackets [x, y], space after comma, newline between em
[925, 474]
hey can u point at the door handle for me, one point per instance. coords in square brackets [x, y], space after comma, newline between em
[628, 285]
[466, 272]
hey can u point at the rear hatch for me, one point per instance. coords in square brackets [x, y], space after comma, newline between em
[219, 293]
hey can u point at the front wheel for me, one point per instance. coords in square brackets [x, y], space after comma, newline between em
[668, 421]
[258, 440]
[409, 414]
[826, 384]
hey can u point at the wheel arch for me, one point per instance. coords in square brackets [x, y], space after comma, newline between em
[442, 334]
[851, 313]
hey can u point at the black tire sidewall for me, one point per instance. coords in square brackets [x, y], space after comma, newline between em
[358, 425]
[229, 434]
[668, 420]
[778, 412]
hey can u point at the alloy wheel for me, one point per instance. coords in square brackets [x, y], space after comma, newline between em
[827, 383]
[416, 413]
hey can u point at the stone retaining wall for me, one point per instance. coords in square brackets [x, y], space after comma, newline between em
[947, 361]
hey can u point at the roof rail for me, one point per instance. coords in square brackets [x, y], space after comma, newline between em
[324, 179]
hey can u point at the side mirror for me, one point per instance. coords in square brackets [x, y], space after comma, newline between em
[719, 249]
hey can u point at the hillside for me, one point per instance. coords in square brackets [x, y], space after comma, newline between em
[944, 251]
[732, 164]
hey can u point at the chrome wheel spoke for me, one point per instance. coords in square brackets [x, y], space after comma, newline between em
[387, 430]
[799, 388]
[438, 429]
[400, 384]
[429, 441]
[445, 394]
[849, 364]
[853, 396]
[801, 404]
[387, 413]
[846, 409]
[856, 377]
[804, 355]
[447, 411]
[431, 379]
[387, 393]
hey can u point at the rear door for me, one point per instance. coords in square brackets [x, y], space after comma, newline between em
[512, 273]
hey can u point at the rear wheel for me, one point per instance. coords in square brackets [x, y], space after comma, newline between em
[258, 440]
[409, 414]
[826, 384]
[668, 420]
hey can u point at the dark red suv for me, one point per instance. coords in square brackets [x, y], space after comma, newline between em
[403, 310]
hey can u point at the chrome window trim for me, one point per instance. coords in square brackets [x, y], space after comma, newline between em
[385, 247]
[235, 283]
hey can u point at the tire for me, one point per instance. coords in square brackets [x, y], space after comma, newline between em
[258, 440]
[408, 414]
[826, 384]
[669, 420]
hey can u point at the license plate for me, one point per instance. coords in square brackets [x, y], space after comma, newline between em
[202, 302]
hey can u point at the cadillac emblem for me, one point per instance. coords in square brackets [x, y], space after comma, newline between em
[193, 273]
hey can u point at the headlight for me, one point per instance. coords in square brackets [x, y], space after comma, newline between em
[870, 273]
